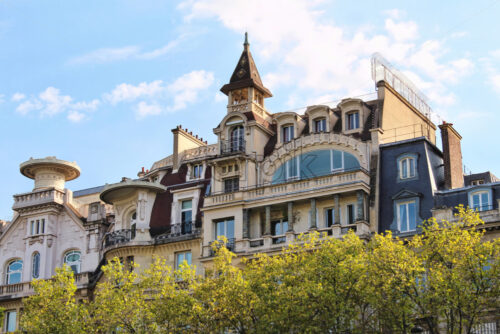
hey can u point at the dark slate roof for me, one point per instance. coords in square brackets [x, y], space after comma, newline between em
[88, 191]
[486, 177]
[246, 74]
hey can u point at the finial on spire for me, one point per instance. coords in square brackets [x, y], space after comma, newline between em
[246, 44]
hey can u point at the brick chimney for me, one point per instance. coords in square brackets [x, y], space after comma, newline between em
[452, 156]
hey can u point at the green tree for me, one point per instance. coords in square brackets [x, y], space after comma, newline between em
[54, 307]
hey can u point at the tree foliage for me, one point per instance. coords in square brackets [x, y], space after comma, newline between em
[444, 278]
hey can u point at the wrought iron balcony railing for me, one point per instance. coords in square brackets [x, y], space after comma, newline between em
[118, 237]
[232, 146]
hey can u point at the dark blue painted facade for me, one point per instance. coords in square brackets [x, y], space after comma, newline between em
[429, 175]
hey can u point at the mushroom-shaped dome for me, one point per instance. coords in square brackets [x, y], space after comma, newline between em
[49, 172]
[116, 191]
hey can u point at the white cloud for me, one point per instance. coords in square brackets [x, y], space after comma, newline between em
[185, 89]
[50, 102]
[108, 55]
[105, 55]
[495, 82]
[17, 97]
[402, 31]
[316, 57]
[144, 109]
[156, 97]
[127, 92]
[75, 116]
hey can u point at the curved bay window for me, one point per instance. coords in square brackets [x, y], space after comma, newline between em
[73, 260]
[35, 265]
[14, 272]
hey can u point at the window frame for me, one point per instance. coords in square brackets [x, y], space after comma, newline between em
[288, 129]
[7, 319]
[225, 222]
[71, 252]
[406, 203]
[197, 171]
[355, 120]
[406, 158]
[183, 253]
[9, 273]
[480, 192]
[35, 273]
[319, 121]
[235, 181]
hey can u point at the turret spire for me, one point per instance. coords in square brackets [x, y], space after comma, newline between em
[246, 74]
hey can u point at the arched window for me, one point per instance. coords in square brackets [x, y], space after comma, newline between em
[14, 272]
[237, 139]
[407, 167]
[35, 265]
[73, 259]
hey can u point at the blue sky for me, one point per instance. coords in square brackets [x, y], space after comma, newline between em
[102, 83]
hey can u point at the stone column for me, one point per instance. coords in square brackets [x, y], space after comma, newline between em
[267, 222]
[336, 207]
[246, 223]
[360, 214]
[313, 213]
[290, 216]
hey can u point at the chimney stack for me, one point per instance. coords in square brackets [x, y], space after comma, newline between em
[452, 156]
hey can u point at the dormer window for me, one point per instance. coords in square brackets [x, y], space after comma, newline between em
[320, 125]
[480, 200]
[287, 133]
[197, 171]
[407, 168]
[352, 121]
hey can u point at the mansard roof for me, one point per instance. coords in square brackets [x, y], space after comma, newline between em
[245, 74]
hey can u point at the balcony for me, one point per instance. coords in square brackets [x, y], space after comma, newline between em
[39, 197]
[23, 289]
[349, 180]
[179, 232]
[233, 146]
[118, 237]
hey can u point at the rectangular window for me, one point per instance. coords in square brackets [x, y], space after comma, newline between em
[352, 121]
[407, 216]
[181, 257]
[292, 168]
[351, 211]
[10, 321]
[481, 201]
[231, 185]
[197, 171]
[337, 160]
[320, 125]
[224, 228]
[330, 217]
[287, 133]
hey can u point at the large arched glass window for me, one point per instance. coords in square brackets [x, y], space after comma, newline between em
[14, 272]
[315, 163]
[237, 139]
[35, 265]
[73, 259]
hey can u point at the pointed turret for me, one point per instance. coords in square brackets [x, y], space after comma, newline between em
[246, 74]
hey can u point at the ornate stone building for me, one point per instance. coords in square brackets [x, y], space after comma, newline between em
[366, 166]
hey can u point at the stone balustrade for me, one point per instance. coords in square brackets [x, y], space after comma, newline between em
[38, 197]
[201, 152]
[289, 188]
[26, 288]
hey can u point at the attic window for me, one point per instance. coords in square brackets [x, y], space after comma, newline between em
[352, 120]
[320, 125]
